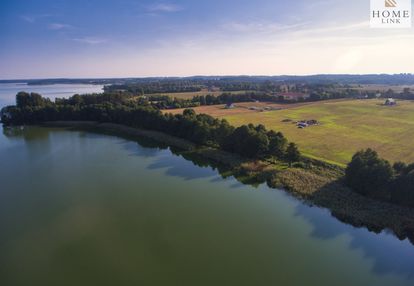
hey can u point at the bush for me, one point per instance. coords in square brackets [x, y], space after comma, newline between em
[300, 165]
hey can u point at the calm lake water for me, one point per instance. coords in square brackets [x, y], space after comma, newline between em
[8, 91]
[79, 208]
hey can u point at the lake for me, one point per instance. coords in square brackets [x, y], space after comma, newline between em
[8, 91]
[80, 208]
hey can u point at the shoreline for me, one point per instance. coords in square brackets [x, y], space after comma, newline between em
[319, 186]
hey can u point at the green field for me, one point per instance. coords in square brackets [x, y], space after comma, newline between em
[190, 95]
[346, 127]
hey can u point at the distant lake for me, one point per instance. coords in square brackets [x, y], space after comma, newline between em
[80, 208]
[8, 91]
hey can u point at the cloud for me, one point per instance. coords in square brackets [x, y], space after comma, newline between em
[164, 7]
[34, 18]
[260, 27]
[348, 27]
[59, 26]
[90, 40]
[29, 19]
[318, 4]
[298, 28]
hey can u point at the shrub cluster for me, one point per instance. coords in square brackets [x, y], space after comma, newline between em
[372, 176]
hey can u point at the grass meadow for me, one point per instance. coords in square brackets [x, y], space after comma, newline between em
[346, 127]
[190, 95]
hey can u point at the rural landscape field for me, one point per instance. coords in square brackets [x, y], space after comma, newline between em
[206, 143]
[345, 126]
[190, 95]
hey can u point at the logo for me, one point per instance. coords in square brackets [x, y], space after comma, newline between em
[391, 14]
[390, 3]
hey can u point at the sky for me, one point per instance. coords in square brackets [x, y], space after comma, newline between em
[127, 38]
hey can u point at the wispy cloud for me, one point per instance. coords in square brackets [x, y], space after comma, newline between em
[59, 26]
[28, 19]
[300, 31]
[335, 28]
[317, 4]
[164, 7]
[34, 18]
[260, 27]
[90, 40]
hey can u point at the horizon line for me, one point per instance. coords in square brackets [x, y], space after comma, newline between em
[190, 76]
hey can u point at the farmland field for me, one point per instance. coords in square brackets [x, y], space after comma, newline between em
[345, 127]
[190, 95]
[381, 87]
[239, 108]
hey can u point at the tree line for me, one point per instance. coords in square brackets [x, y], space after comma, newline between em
[168, 102]
[318, 93]
[372, 176]
[245, 83]
[247, 140]
[155, 87]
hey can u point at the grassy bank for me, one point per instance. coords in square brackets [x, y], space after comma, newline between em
[316, 183]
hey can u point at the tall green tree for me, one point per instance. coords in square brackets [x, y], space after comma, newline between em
[369, 175]
[292, 153]
[277, 144]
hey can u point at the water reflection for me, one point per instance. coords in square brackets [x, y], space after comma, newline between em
[175, 166]
[267, 233]
[377, 250]
[35, 139]
[26, 133]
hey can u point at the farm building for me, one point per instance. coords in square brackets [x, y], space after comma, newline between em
[390, 102]
[307, 123]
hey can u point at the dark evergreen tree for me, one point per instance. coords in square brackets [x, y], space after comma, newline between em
[369, 175]
[292, 153]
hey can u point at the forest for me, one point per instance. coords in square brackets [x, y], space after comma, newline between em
[248, 140]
